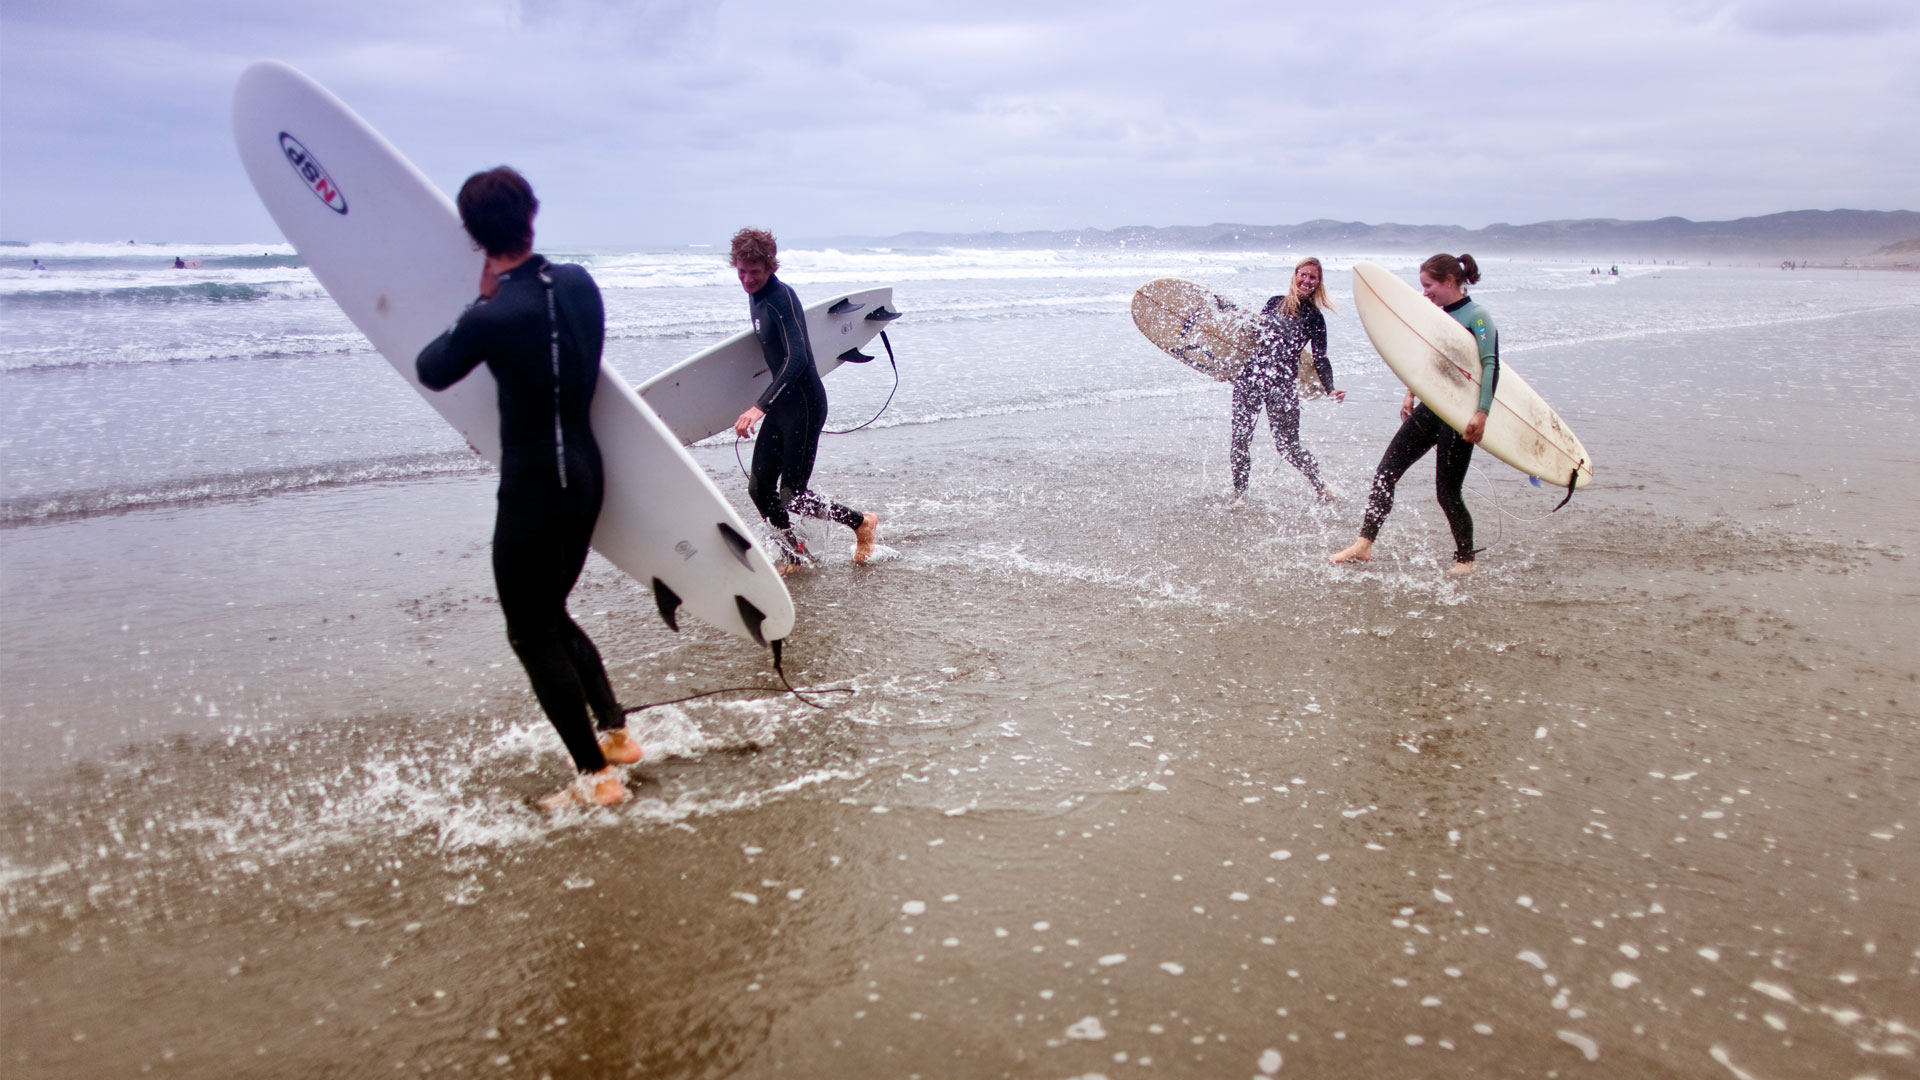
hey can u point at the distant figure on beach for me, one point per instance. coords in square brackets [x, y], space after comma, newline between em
[1288, 325]
[1613, 271]
[1444, 279]
[794, 405]
[539, 328]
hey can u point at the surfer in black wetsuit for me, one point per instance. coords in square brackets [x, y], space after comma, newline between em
[539, 328]
[1288, 325]
[794, 405]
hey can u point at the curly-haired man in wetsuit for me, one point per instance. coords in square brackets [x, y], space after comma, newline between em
[794, 406]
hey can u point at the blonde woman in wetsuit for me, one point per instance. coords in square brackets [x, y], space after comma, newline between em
[1444, 280]
[1288, 325]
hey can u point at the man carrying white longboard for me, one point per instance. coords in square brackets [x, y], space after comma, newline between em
[794, 406]
[540, 328]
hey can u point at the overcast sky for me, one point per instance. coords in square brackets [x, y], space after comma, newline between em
[673, 122]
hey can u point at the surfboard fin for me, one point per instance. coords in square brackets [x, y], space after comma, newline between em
[669, 602]
[853, 356]
[881, 314]
[1573, 477]
[845, 305]
[752, 616]
[736, 543]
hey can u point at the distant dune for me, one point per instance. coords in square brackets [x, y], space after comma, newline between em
[1822, 235]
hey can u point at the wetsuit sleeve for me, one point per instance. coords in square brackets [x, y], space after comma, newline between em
[1487, 337]
[780, 335]
[1322, 366]
[450, 357]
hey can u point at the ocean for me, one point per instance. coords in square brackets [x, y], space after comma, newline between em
[1129, 783]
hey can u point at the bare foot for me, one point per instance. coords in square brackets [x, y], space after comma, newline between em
[620, 748]
[864, 536]
[793, 555]
[1326, 494]
[1360, 551]
[1460, 569]
[1238, 502]
[589, 789]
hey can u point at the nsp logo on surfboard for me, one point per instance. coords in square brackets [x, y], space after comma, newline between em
[313, 173]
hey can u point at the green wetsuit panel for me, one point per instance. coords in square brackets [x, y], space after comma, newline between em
[1487, 336]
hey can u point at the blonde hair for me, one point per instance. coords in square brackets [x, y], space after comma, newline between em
[1291, 305]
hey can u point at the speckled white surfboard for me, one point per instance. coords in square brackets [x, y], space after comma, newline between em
[388, 247]
[1437, 359]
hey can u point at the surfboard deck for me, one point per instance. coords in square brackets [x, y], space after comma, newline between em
[1307, 377]
[389, 248]
[1438, 360]
[704, 394]
[1208, 334]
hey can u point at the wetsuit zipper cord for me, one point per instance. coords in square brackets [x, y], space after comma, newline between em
[553, 326]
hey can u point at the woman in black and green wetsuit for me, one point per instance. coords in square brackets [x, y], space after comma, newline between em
[1444, 280]
[539, 328]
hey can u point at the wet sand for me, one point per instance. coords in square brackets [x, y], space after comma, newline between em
[1132, 785]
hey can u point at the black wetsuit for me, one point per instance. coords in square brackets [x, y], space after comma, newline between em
[1270, 382]
[540, 335]
[1423, 430]
[795, 403]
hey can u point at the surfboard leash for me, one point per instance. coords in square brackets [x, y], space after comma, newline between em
[778, 670]
[629, 710]
[1502, 514]
[891, 362]
[857, 357]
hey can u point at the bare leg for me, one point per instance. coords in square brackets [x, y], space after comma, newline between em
[864, 536]
[1460, 569]
[1360, 550]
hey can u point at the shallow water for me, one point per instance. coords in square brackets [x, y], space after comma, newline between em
[1130, 783]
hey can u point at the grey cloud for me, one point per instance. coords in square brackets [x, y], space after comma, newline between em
[671, 121]
[1837, 17]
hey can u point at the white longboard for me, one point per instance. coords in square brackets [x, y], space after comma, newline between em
[705, 393]
[1439, 361]
[389, 248]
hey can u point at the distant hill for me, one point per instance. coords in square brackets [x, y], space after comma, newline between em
[1800, 234]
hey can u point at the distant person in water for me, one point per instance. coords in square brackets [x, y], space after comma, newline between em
[539, 328]
[37, 265]
[1288, 325]
[794, 406]
[179, 263]
[1444, 280]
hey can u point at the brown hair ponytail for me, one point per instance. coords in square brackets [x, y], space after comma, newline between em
[1459, 268]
